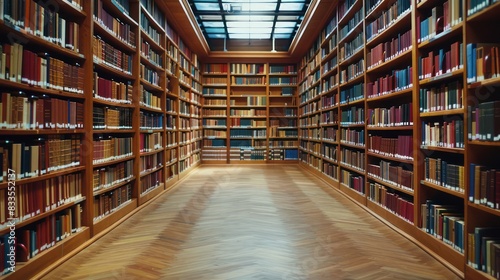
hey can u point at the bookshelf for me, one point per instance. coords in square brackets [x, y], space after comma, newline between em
[99, 99]
[249, 113]
[414, 96]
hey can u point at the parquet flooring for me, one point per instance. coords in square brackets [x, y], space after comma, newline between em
[252, 222]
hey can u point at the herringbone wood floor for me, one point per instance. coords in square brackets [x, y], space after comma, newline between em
[252, 222]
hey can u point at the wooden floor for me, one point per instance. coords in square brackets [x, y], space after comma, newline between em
[252, 222]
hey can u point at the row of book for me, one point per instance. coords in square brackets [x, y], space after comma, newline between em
[353, 158]
[330, 152]
[309, 108]
[352, 116]
[351, 24]
[313, 133]
[214, 122]
[309, 93]
[352, 93]
[352, 180]
[20, 111]
[149, 29]
[283, 143]
[113, 25]
[151, 182]
[329, 117]
[40, 19]
[38, 237]
[114, 91]
[151, 55]
[352, 136]
[351, 47]
[244, 68]
[185, 108]
[446, 134]
[448, 175]
[352, 71]
[247, 112]
[483, 62]
[247, 154]
[393, 202]
[484, 185]
[171, 122]
[442, 18]
[445, 222]
[150, 120]
[388, 172]
[282, 133]
[247, 133]
[442, 61]
[209, 133]
[474, 6]
[150, 162]
[213, 153]
[445, 97]
[388, 50]
[215, 68]
[108, 118]
[328, 101]
[112, 148]
[282, 69]
[483, 245]
[249, 101]
[106, 54]
[171, 105]
[109, 176]
[283, 154]
[107, 203]
[149, 75]
[150, 142]
[215, 102]
[152, 100]
[387, 18]
[282, 81]
[36, 198]
[313, 120]
[247, 143]
[396, 81]
[19, 64]
[152, 8]
[330, 134]
[248, 80]
[214, 80]
[400, 147]
[39, 157]
[401, 115]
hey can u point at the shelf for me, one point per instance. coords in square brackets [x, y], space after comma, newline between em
[359, 52]
[15, 132]
[117, 214]
[113, 131]
[344, 125]
[352, 103]
[113, 161]
[359, 78]
[454, 74]
[396, 128]
[442, 113]
[39, 43]
[374, 154]
[404, 20]
[351, 168]
[151, 20]
[111, 38]
[483, 208]
[46, 176]
[455, 30]
[488, 14]
[151, 152]
[388, 65]
[154, 44]
[350, 145]
[113, 187]
[101, 66]
[443, 189]
[354, 31]
[443, 149]
[43, 214]
[152, 65]
[151, 87]
[151, 171]
[150, 109]
[111, 103]
[484, 143]
[391, 95]
[485, 83]
[391, 185]
[350, 13]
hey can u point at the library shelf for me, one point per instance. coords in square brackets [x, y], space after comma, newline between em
[381, 156]
[442, 113]
[443, 189]
[391, 185]
[106, 221]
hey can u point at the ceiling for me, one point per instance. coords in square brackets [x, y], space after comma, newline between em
[181, 16]
[248, 21]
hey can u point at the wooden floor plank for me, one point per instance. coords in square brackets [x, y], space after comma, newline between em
[252, 222]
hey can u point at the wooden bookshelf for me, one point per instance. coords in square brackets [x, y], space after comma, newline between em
[112, 133]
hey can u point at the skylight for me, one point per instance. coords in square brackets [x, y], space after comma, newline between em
[249, 19]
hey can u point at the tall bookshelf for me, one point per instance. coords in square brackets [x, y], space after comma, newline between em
[249, 112]
[90, 120]
[425, 78]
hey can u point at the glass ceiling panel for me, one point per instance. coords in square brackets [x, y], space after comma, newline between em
[249, 19]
